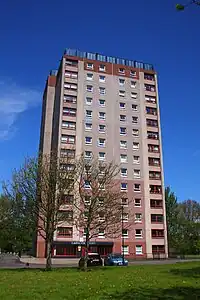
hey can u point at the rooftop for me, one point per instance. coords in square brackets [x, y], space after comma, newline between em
[110, 59]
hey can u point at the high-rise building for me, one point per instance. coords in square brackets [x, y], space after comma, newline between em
[109, 107]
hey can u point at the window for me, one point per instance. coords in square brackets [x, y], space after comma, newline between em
[125, 250]
[102, 102]
[122, 93]
[102, 115]
[90, 66]
[101, 200]
[156, 218]
[123, 131]
[88, 154]
[123, 144]
[72, 63]
[102, 68]
[133, 73]
[137, 187]
[121, 70]
[138, 217]
[137, 202]
[136, 146]
[67, 167]
[88, 126]
[123, 186]
[102, 78]
[66, 215]
[157, 233]
[88, 114]
[124, 172]
[133, 95]
[69, 125]
[133, 84]
[68, 111]
[123, 158]
[125, 217]
[102, 91]
[88, 140]
[87, 200]
[136, 173]
[138, 233]
[67, 153]
[134, 107]
[102, 128]
[156, 203]
[101, 142]
[122, 118]
[67, 139]
[89, 88]
[67, 199]
[122, 105]
[138, 250]
[136, 159]
[135, 132]
[102, 155]
[89, 76]
[88, 100]
[87, 184]
[65, 231]
[121, 81]
[101, 233]
[101, 216]
[135, 120]
[125, 233]
[124, 201]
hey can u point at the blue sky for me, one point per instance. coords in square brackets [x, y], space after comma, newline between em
[33, 36]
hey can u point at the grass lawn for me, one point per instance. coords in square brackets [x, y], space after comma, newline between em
[178, 281]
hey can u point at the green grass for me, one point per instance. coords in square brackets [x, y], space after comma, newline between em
[178, 281]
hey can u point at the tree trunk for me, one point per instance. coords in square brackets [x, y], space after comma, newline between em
[49, 256]
[86, 253]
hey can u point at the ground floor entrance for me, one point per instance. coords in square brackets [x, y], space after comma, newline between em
[76, 249]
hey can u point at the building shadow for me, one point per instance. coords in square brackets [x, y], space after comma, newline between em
[192, 272]
[179, 293]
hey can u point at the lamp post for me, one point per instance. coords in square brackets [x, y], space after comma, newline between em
[122, 234]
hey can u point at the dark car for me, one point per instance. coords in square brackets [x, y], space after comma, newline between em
[115, 260]
[94, 259]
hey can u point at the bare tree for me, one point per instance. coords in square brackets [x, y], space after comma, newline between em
[45, 180]
[97, 201]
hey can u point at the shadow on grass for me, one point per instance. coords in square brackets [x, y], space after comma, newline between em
[192, 272]
[179, 293]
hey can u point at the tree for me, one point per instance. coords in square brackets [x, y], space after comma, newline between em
[44, 181]
[181, 7]
[5, 224]
[97, 201]
[190, 210]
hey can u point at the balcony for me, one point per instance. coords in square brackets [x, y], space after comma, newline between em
[153, 148]
[151, 111]
[152, 123]
[154, 175]
[155, 162]
[149, 87]
[152, 135]
[157, 204]
[149, 77]
[157, 218]
[69, 99]
[155, 189]
[157, 233]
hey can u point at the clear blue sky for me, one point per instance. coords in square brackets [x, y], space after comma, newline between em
[33, 35]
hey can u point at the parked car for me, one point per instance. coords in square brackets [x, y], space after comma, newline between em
[115, 259]
[94, 259]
